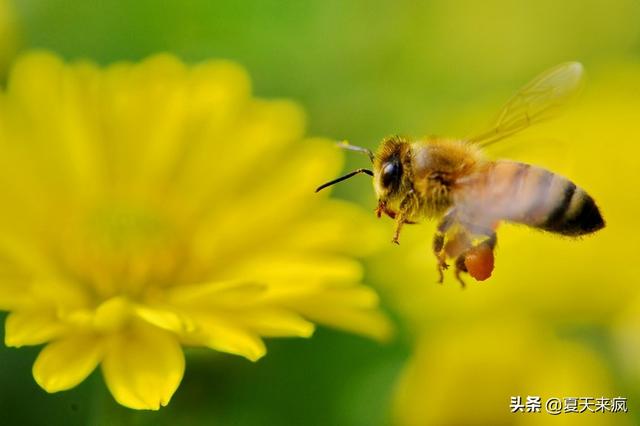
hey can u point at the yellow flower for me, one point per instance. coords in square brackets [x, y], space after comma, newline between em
[626, 336]
[466, 374]
[152, 206]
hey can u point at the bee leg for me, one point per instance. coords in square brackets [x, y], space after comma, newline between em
[404, 212]
[438, 243]
[491, 241]
[399, 222]
[438, 246]
[461, 267]
[380, 209]
[478, 261]
[441, 268]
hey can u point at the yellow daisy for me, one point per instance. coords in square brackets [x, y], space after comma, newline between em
[467, 373]
[152, 206]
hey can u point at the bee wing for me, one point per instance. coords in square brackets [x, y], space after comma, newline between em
[537, 101]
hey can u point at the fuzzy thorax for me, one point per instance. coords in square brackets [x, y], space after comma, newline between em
[429, 170]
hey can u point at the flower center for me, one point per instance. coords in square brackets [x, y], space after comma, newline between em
[118, 226]
[120, 249]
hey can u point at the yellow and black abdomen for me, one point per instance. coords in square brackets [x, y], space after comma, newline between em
[573, 213]
[521, 193]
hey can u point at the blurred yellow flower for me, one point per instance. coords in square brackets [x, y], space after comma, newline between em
[626, 336]
[153, 205]
[466, 374]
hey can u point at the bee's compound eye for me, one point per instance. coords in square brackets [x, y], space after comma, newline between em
[391, 173]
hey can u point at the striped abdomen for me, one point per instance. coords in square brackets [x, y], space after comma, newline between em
[518, 192]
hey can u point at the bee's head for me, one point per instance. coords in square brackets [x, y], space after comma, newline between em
[389, 167]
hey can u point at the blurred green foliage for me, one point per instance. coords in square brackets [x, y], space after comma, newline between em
[362, 70]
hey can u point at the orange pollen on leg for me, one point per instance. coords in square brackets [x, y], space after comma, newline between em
[480, 262]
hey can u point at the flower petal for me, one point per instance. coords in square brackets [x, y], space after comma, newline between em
[218, 292]
[336, 226]
[164, 318]
[370, 323]
[217, 333]
[32, 328]
[143, 367]
[13, 295]
[217, 241]
[347, 308]
[274, 322]
[296, 267]
[65, 363]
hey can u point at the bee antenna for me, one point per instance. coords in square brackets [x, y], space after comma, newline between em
[346, 145]
[345, 177]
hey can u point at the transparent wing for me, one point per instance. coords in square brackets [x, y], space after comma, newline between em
[537, 101]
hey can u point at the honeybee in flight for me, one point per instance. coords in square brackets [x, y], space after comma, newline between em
[450, 179]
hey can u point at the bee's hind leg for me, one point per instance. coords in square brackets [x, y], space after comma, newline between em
[481, 258]
[461, 267]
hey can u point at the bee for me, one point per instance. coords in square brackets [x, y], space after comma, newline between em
[451, 180]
